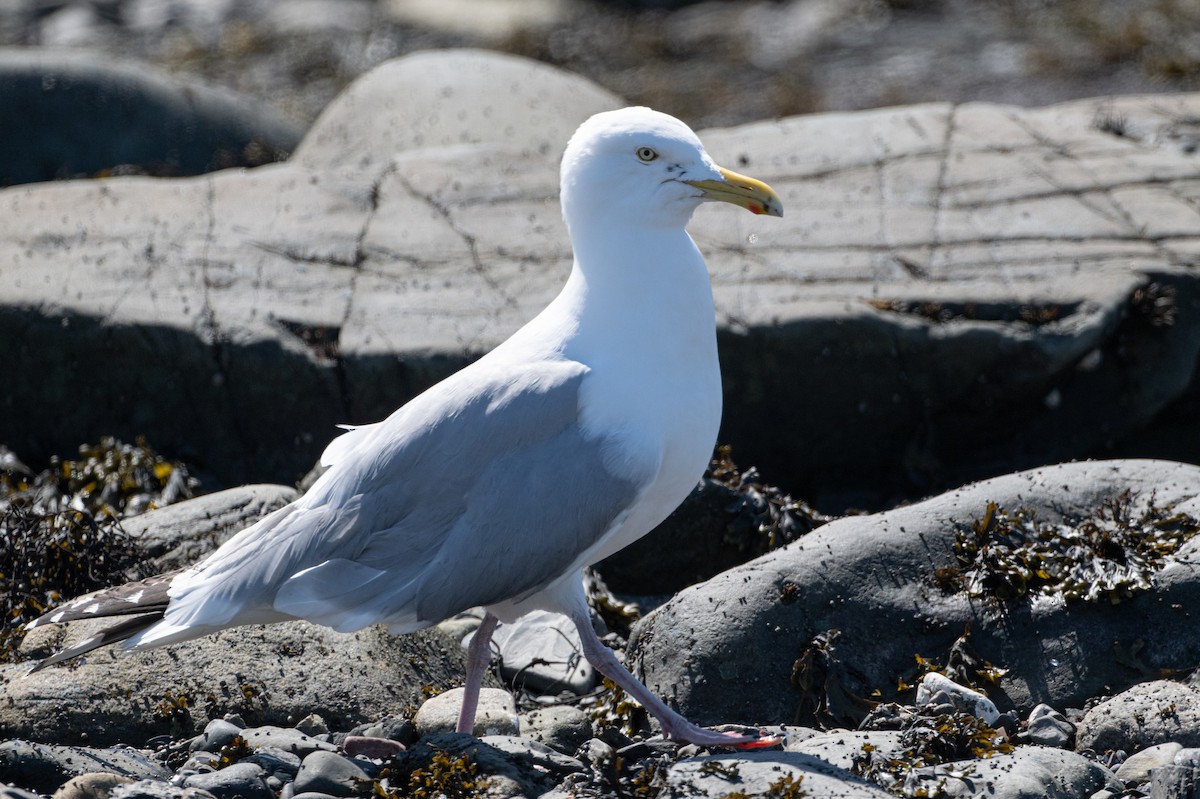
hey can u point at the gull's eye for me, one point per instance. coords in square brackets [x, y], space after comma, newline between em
[646, 154]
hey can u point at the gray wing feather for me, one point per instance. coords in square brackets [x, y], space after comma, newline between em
[483, 489]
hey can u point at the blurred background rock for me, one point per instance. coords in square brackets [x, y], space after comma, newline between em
[713, 63]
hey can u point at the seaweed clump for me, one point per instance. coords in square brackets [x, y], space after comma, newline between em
[1111, 555]
[109, 479]
[819, 675]
[62, 530]
[761, 517]
[929, 740]
[443, 775]
[52, 555]
[964, 665]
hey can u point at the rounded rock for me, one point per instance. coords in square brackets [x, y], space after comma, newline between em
[1048, 727]
[239, 781]
[97, 785]
[1136, 768]
[217, 733]
[564, 728]
[329, 773]
[495, 715]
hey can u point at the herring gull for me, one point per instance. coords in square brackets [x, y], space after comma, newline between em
[497, 486]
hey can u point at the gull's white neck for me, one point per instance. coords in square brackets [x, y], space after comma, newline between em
[645, 293]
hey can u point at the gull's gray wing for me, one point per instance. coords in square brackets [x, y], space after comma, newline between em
[485, 488]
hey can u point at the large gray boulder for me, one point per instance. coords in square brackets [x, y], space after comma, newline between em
[730, 649]
[275, 674]
[178, 535]
[956, 290]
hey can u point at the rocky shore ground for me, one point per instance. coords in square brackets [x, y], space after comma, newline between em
[1035, 645]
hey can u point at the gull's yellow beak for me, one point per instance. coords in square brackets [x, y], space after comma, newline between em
[753, 195]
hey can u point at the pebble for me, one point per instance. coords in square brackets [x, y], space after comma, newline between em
[217, 733]
[561, 727]
[275, 763]
[371, 747]
[154, 789]
[396, 728]
[313, 725]
[540, 756]
[1136, 768]
[496, 715]
[1047, 727]
[239, 781]
[97, 785]
[287, 739]
[541, 651]
[936, 689]
[329, 773]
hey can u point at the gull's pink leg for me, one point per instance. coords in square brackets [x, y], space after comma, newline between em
[479, 657]
[674, 726]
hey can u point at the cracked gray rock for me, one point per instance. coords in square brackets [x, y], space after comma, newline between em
[957, 291]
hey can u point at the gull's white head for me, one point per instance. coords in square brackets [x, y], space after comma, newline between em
[641, 168]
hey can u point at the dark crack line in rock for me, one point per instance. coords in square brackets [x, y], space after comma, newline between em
[304, 258]
[473, 249]
[357, 264]
[1057, 191]
[1122, 215]
[935, 228]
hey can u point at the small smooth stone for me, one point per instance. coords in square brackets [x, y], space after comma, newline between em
[239, 781]
[287, 739]
[496, 714]
[542, 650]
[217, 733]
[275, 762]
[1048, 727]
[330, 773]
[935, 688]
[371, 747]
[395, 728]
[312, 724]
[561, 727]
[1173, 782]
[1136, 768]
[200, 762]
[156, 789]
[97, 785]
[460, 626]
[598, 754]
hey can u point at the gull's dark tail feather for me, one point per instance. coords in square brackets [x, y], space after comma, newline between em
[145, 600]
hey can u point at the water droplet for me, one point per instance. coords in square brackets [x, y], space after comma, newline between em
[752, 238]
